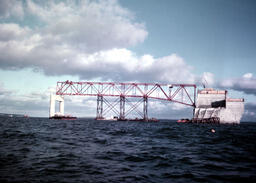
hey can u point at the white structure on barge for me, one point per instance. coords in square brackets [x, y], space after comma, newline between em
[214, 104]
[53, 100]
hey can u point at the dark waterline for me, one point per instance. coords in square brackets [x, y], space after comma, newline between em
[84, 150]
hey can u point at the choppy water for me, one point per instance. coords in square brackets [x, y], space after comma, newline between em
[43, 150]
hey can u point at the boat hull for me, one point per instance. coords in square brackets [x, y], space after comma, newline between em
[64, 117]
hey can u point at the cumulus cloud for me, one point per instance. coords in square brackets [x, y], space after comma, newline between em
[89, 25]
[246, 84]
[9, 8]
[88, 39]
[124, 65]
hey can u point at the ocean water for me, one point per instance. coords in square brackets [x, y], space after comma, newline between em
[85, 150]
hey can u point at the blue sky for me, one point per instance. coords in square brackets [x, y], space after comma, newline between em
[211, 35]
[42, 42]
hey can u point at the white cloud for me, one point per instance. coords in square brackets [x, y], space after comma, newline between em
[60, 59]
[208, 79]
[123, 65]
[87, 39]
[88, 26]
[248, 75]
[9, 8]
[246, 84]
[13, 32]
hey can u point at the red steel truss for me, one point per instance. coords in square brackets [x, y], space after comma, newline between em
[179, 93]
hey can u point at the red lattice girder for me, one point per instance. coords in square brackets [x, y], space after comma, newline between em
[179, 93]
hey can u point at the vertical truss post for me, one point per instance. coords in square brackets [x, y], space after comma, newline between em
[122, 107]
[182, 94]
[145, 108]
[99, 107]
[194, 96]
[170, 91]
[194, 104]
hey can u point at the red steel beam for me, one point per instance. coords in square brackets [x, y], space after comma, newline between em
[112, 89]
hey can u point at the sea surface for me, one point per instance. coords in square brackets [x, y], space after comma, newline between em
[85, 150]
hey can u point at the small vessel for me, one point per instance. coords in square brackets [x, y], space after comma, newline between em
[184, 121]
[63, 117]
[143, 120]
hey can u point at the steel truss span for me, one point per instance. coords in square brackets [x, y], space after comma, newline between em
[179, 93]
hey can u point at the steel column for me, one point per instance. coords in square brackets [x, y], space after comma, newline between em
[145, 108]
[170, 91]
[122, 107]
[194, 106]
[99, 107]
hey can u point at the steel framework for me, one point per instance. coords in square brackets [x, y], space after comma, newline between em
[180, 93]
